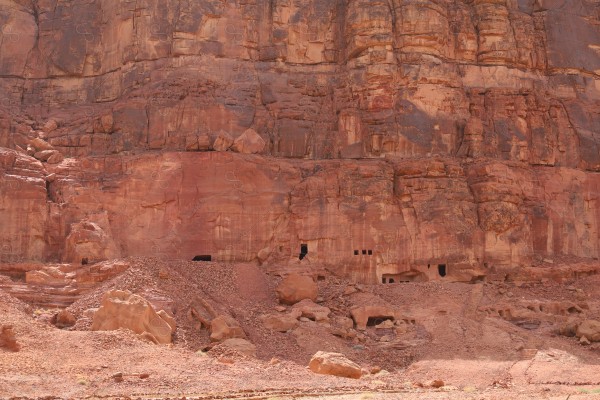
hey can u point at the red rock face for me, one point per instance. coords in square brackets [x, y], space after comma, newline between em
[393, 138]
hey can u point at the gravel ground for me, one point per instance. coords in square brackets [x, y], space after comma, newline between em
[476, 356]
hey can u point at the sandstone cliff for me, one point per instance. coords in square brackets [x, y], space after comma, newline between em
[420, 134]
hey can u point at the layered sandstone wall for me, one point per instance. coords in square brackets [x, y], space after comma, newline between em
[408, 216]
[508, 79]
[426, 133]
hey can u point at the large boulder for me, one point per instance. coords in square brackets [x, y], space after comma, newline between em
[225, 327]
[122, 309]
[221, 141]
[8, 340]
[50, 125]
[40, 145]
[589, 329]
[64, 319]
[44, 155]
[280, 322]
[334, 364]
[239, 345]
[568, 328]
[249, 142]
[342, 327]
[295, 288]
[168, 319]
[307, 308]
[55, 158]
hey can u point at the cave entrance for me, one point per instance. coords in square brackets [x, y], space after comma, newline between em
[405, 277]
[85, 261]
[376, 320]
[442, 270]
[303, 251]
[206, 257]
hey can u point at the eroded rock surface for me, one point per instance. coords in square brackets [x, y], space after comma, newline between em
[511, 80]
[372, 315]
[87, 243]
[56, 285]
[399, 141]
[373, 221]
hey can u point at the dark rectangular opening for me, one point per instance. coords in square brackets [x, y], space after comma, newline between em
[374, 321]
[355, 252]
[205, 257]
[370, 252]
[364, 252]
[303, 251]
[442, 270]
